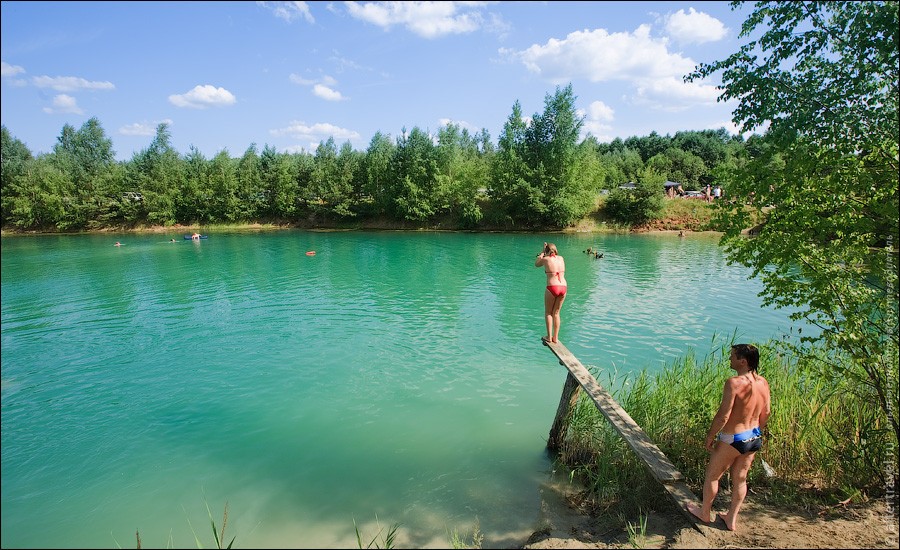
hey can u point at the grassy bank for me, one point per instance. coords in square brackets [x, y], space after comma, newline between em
[827, 440]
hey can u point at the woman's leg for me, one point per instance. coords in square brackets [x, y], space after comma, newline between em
[557, 320]
[548, 313]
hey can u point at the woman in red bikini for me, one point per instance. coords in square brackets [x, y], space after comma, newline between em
[555, 268]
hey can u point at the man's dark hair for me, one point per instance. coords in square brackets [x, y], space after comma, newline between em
[748, 352]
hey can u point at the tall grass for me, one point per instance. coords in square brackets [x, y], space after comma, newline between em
[826, 439]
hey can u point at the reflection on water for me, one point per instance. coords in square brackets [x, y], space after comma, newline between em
[392, 375]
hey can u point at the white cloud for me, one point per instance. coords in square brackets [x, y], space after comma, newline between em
[603, 132]
[636, 58]
[326, 93]
[600, 111]
[289, 10]
[142, 128]
[64, 104]
[673, 94]
[323, 87]
[8, 73]
[202, 97]
[297, 79]
[694, 27]
[461, 123]
[595, 118]
[319, 131]
[7, 70]
[426, 19]
[70, 83]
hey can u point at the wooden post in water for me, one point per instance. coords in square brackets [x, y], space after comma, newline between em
[571, 390]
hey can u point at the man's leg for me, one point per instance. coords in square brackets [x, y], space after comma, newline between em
[719, 461]
[739, 470]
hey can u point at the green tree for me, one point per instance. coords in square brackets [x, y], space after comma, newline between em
[278, 180]
[85, 157]
[552, 153]
[155, 178]
[639, 205]
[331, 184]
[252, 196]
[680, 166]
[516, 199]
[648, 146]
[824, 77]
[623, 165]
[223, 185]
[14, 159]
[461, 173]
[413, 176]
[193, 202]
[38, 197]
[377, 173]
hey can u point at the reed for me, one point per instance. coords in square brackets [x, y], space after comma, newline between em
[466, 540]
[387, 539]
[826, 439]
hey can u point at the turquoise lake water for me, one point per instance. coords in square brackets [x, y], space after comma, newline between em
[392, 378]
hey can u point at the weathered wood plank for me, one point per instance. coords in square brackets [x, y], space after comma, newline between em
[657, 462]
[659, 465]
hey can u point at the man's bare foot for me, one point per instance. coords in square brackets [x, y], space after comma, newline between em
[697, 512]
[546, 339]
[724, 518]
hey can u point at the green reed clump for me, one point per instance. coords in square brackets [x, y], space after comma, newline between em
[826, 437]
[387, 540]
[218, 534]
[458, 541]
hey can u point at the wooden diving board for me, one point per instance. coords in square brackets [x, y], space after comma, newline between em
[659, 465]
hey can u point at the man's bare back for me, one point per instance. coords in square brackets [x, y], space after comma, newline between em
[751, 399]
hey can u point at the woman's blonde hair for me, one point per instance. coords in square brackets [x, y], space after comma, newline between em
[550, 248]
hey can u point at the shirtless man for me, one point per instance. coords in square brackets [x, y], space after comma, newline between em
[555, 295]
[735, 434]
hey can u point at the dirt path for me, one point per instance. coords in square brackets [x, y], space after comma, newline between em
[866, 525]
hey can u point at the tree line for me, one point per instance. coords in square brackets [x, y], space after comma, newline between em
[539, 175]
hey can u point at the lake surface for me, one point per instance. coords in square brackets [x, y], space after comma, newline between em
[392, 378]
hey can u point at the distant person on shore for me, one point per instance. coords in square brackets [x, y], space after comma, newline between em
[735, 434]
[555, 294]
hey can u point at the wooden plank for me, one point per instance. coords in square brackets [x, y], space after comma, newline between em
[659, 465]
[657, 462]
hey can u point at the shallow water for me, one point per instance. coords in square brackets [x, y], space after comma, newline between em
[393, 375]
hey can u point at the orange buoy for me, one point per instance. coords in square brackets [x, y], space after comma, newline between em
[311, 253]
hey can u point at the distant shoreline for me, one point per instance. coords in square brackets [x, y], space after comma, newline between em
[259, 227]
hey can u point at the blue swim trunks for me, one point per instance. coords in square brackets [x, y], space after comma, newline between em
[745, 442]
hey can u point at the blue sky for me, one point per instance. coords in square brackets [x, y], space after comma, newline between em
[226, 75]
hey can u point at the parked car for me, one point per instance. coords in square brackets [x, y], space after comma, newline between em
[693, 194]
